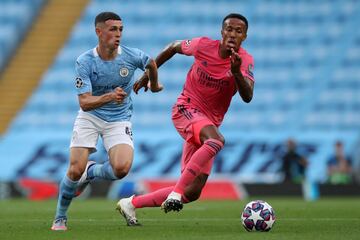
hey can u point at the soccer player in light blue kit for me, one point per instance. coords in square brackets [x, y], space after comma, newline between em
[104, 80]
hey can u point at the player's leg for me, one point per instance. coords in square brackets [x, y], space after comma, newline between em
[83, 142]
[85, 135]
[127, 206]
[121, 157]
[119, 164]
[84, 181]
[211, 143]
[193, 191]
[156, 198]
[201, 161]
[118, 142]
[68, 185]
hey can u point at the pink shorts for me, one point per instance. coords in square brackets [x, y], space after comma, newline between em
[189, 121]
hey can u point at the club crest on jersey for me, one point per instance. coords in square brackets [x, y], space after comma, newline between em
[124, 71]
[187, 43]
[78, 82]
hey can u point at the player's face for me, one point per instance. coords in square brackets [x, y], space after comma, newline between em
[109, 33]
[233, 33]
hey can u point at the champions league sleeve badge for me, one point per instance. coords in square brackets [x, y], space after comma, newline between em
[124, 72]
[78, 82]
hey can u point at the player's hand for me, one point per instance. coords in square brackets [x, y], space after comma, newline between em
[235, 61]
[155, 88]
[141, 83]
[119, 95]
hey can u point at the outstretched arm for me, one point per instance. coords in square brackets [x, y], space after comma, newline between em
[245, 86]
[167, 53]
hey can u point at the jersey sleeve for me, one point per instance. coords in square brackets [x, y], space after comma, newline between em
[190, 47]
[82, 79]
[247, 67]
[143, 59]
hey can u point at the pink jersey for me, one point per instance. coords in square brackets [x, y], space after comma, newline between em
[210, 84]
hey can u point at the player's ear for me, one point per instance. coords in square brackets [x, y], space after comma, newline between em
[97, 31]
[244, 37]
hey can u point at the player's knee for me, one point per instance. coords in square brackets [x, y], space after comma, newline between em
[120, 171]
[211, 133]
[75, 172]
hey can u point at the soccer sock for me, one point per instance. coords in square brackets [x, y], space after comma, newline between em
[153, 199]
[205, 153]
[103, 171]
[66, 193]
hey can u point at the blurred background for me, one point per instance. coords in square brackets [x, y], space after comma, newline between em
[299, 136]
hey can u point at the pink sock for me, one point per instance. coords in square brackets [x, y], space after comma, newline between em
[205, 153]
[153, 199]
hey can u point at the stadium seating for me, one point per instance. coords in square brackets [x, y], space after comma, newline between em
[16, 17]
[306, 68]
[296, 76]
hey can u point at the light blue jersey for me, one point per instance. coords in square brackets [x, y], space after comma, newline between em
[98, 77]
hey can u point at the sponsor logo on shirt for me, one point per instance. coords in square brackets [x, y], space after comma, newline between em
[124, 71]
[208, 81]
[79, 82]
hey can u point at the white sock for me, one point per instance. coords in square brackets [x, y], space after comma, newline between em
[174, 195]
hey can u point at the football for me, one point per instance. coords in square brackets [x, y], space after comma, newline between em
[258, 215]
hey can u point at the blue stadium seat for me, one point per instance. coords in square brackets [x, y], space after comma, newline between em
[16, 17]
[289, 50]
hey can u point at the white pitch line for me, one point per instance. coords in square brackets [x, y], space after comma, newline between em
[185, 219]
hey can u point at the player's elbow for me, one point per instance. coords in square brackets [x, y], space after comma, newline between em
[247, 98]
[84, 102]
[175, 47]
[85, 107]
[152, 65]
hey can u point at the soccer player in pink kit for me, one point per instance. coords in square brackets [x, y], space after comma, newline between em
[220, 70]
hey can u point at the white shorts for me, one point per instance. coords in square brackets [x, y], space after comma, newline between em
[88, 127]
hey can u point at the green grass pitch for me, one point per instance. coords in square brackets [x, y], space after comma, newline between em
[328, 218]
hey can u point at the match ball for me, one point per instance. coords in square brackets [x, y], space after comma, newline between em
[258, 216]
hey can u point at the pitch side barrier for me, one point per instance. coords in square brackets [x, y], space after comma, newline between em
[246, 158]
[215, 189]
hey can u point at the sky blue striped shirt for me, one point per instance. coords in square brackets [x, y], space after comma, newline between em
[98, 77]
